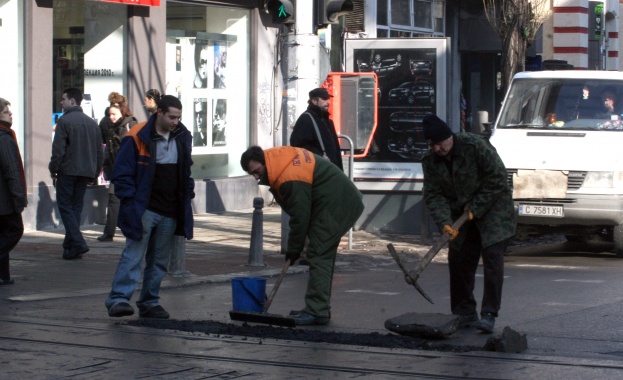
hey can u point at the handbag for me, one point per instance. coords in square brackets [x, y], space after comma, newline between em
[324, 153]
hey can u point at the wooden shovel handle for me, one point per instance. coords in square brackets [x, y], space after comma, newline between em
[269, 300]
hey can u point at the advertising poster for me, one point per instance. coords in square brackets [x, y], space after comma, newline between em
[220, 65]
[219, 122]
[200, 111]
[411, 84]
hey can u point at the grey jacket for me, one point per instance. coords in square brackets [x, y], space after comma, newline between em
[77, 147]
[12, 191]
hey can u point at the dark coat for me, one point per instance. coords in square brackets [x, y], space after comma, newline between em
[113, 135]
[134, 172]
[12, 190]
[304, 135]
[478, 181]
[77, 149]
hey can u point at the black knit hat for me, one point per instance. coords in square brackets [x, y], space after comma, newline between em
[435, 129]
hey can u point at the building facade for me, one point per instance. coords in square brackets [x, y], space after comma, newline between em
[230, 64]
[204, 52]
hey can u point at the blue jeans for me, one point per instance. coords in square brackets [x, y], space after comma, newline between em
[70, 192]
[155, 246]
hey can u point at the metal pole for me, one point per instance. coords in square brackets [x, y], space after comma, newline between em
[256, 249]
[350, 176]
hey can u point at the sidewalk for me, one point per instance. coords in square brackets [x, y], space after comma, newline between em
[219, 251]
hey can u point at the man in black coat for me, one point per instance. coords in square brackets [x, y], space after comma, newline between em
[306, 135]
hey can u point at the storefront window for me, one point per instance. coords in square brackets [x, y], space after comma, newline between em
[89, 52]
[208, 69]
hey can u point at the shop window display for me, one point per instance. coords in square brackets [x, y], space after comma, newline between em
[207, 69]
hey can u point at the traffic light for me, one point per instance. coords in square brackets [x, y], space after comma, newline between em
[328, 11]
[282, 11]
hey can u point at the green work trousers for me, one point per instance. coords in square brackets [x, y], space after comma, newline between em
[318, 294]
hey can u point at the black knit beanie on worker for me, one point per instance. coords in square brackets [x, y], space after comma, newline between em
[435, 129]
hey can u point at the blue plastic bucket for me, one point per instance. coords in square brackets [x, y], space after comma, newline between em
[248, 293]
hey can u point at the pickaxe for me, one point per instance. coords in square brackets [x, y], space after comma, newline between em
[411, 277]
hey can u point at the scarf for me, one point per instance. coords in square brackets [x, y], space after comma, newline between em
[7, 127]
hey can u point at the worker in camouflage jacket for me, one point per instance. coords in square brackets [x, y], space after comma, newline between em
[323, 204]
[463, 172]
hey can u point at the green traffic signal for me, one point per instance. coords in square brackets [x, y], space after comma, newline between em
[281, 10]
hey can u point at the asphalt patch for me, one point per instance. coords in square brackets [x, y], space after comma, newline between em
[299, 334]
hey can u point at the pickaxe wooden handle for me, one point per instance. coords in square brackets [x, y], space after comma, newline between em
[434, 250]
[411, 277]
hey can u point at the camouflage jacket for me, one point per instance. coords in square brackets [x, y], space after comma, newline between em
[477, 182]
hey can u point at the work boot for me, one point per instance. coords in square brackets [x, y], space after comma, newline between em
[157, 312]
[121, 309]
[306, 319]
[486, 323]
[467, 320]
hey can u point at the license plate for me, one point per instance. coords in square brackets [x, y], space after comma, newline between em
[539, 210]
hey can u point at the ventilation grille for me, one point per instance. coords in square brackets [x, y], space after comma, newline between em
[355, 19]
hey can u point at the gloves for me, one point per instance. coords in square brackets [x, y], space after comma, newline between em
[471, 216]
[293, 256]
[453, 233]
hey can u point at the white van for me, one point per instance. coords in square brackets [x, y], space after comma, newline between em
[560, 135]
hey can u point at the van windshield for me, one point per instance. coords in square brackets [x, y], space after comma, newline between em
[567, 104]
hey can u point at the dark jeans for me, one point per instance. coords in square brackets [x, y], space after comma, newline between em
[11, 230]
[112, 212]
[70, 192]
[463, 265]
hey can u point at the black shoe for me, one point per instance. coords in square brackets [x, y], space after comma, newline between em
[105, 237]
[121, 309]
[157, 312]
[306, 319]
[75, 253]
[6, 282]
[486, 323]
[467, 320]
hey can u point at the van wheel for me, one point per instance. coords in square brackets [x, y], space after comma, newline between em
[617, 239]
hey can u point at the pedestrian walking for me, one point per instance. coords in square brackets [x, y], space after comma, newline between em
[121, 120]
[153, 180]
[76, 161]
[314, 130]
[323, 204]
[462, 172]
[13, 194]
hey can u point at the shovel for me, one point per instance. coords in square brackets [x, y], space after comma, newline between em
[264, 316]
[412, 277]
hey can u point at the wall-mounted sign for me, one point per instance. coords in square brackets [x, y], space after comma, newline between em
[151, 3]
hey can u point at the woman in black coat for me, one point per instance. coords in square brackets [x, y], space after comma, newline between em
[122, 120]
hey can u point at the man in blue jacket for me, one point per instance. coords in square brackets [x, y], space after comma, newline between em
[152, 180]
